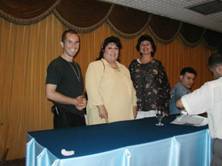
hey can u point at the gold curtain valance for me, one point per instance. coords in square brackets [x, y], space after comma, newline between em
[86, 15]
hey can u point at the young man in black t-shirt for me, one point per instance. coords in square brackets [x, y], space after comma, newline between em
[64, 84]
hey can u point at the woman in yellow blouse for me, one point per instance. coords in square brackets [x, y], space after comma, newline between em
[111, 95]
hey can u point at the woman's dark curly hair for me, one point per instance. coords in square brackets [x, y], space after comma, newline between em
[146, 38]
[110, 39]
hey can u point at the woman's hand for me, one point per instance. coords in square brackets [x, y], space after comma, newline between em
[103, 114]
[134, 111]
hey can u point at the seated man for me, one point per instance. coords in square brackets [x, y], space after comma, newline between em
[187, 77]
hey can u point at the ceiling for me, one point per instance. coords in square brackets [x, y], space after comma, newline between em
[179, 10]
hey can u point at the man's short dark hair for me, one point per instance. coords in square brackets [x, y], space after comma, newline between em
[146, 38]
[71, 31]
[214, 60]
[188, 70]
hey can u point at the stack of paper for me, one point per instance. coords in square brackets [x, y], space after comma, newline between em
[194, 120]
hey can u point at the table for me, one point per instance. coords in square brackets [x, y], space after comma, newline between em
[127, 143]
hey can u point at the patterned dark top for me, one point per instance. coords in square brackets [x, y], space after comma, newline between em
[151, 84]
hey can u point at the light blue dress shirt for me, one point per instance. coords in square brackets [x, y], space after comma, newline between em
[177, 92]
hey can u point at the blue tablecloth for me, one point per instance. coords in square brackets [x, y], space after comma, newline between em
[137, 143]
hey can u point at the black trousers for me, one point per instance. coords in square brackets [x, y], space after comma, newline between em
[66, 119]
[217, 152]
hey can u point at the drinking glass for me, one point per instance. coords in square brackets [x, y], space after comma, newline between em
[159, 116]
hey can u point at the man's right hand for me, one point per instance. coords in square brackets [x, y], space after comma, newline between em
[80, 102]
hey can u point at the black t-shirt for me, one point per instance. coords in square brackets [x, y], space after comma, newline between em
[68, 78]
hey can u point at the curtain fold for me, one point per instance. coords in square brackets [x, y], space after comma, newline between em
[26, 11]
[164, 29]
[191, 34]
[83, 15]
[127, 21]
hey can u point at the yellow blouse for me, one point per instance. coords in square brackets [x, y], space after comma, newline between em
[112, 88]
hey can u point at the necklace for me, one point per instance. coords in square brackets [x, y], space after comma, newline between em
[75, 70]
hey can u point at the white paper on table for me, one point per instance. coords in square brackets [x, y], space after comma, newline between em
[193, 120]
[65, 152]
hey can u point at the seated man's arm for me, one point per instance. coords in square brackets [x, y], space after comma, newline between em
[180, 91]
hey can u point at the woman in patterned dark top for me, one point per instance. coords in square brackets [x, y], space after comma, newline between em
[149, 79]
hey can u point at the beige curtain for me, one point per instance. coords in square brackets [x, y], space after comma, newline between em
[24, 54]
